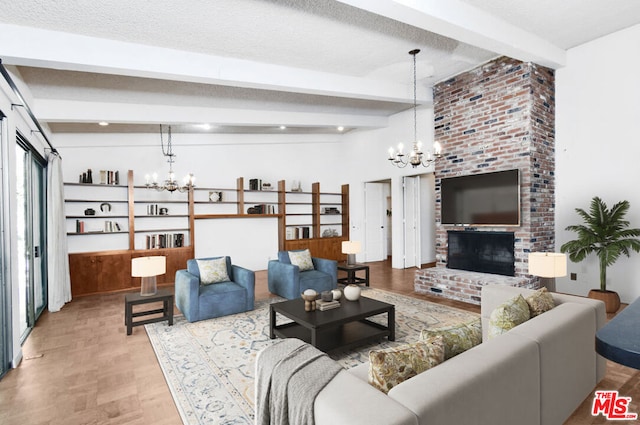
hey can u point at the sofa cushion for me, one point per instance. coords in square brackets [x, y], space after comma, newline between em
[302, 259]
[390, 366]
[457, 338]
[508, 315]
[540, 301]
[213, 270]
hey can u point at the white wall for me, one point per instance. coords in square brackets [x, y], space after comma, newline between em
[597, 148]
[218, 160]
[368, 153]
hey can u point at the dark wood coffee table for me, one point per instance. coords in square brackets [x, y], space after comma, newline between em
[340, 328]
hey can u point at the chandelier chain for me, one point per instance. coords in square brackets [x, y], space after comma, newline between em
[415, 102]
[169, 152]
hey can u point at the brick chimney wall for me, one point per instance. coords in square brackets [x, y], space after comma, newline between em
[496, 117]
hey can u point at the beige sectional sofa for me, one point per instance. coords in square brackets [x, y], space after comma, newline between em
[537, 373]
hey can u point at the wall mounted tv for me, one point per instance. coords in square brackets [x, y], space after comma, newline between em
[491, 199]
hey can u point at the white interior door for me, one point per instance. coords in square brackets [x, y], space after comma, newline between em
[375, 219]
[411, 221]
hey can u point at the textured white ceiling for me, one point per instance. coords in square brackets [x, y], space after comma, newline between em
[321, 34]
[311, 61]
[566, 23]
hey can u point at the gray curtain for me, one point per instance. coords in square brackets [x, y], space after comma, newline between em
[57, 252]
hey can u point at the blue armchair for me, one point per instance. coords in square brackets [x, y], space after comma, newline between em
[286, 279]
[199, 302]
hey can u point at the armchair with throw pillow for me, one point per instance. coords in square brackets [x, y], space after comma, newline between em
[213, 287]
[296, 271]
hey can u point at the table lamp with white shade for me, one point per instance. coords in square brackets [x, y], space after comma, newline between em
[148, 268]
[548, 266]
[351, 248]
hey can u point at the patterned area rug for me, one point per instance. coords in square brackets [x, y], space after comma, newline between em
[210, 365]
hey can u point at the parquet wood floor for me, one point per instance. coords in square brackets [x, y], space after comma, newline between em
[80, 367]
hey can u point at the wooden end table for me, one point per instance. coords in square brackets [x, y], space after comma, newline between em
[163, 295]
[351, 270]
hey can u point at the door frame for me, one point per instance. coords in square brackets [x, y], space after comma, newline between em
[380, 224]
[6, 340]
[33, 158]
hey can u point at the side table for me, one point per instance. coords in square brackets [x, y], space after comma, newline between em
[351, 270]
[163, 295]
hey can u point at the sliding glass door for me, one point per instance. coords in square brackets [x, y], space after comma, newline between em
[31, 222]
[5, 307]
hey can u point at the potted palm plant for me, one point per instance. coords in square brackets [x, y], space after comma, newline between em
[606, 233]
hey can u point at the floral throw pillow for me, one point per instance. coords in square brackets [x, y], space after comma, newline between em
[540, 301]
[391, 366]
[508, 315]
[457, 338]
[213, 271]
[302, 259]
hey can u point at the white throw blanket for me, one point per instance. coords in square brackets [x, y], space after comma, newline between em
[289, 376]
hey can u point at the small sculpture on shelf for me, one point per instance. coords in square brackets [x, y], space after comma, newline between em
[215, 196]
[330, 233]
[86, 177]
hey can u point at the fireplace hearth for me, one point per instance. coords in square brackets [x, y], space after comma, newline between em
[483, 252]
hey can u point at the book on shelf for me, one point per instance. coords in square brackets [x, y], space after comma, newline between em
[293, 233]
[255, 184]
[262, 209]
[164, 240]
[327, 305]
[111, 226]
[330, 210]
[155, 209]
[79, 226]
[109, 177]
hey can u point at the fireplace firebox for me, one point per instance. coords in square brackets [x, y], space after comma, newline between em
[484, 252]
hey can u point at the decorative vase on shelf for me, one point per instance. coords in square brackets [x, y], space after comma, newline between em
[352, 292]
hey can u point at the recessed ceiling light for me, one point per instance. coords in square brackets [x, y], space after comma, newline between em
[204, 126]
[283, 127]
[103, 123]
[340, 128]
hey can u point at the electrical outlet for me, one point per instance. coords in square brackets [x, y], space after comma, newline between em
[574, 276]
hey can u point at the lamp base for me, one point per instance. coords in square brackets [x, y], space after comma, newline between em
[148, 286]
[351, 259]
[549, 283]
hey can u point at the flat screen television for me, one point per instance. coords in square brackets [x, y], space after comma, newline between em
[491, 199]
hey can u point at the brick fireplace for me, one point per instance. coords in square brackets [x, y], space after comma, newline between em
[496, 117]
